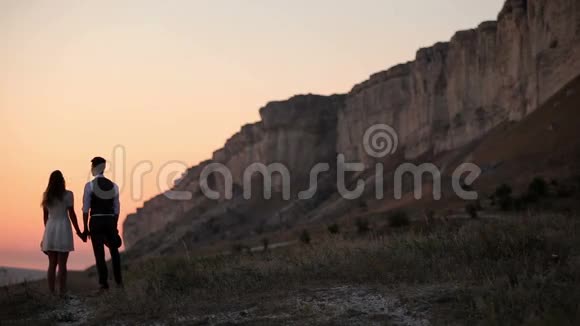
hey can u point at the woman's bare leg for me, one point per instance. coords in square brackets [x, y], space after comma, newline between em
[51, 276]
[62, 271]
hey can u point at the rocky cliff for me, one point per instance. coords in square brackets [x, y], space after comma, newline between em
[452, 94]
[455, 92]
[298, 133]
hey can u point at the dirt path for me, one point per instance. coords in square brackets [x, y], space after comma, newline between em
[73, 311]
[344, 305]
[340, 305]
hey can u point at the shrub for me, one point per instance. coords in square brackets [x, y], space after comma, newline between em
[213, 226]
[503, 195]
[399, 219]
[564, 191]
[259, 229]
[239, 248]
[538, 187]
[471, 209]
[334, 229]
[503, 191]
[478, 205]
[506, 204]
[362, 225]
[529, 198]
[363, 205]
[265, 243]
[492, 200]
[520, 204]
[429, 216]
[305, 237]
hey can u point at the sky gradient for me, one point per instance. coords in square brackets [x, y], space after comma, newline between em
[171, 81]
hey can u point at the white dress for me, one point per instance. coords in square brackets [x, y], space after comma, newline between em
[58, 234]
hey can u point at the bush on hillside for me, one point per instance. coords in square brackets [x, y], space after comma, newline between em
[538, 188]
[399, 219]
[265, 243]
[334, 229]
[503, 196]
[471, 210]
[305, 237]
[362, 225]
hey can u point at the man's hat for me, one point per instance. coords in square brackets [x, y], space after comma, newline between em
[114, 241]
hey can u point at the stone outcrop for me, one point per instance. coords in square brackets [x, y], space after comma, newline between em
[452, 94]
[298, 133]
[455, 92]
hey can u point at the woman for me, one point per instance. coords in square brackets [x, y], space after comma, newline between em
[57, 242]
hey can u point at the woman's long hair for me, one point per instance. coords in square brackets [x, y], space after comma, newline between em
[55, 189]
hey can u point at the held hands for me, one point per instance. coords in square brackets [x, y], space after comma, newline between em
[84, 235]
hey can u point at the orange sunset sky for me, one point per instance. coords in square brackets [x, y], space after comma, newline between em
[172, 80]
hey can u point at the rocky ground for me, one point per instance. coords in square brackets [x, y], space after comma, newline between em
[341, 305]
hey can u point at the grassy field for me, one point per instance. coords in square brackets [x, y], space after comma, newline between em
[510, 271]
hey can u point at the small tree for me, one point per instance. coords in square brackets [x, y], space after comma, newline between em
[478, 205]
[305, 237]
[564, 191]
[506, 204]
[492, 200]
[529, 198]
[503, 191]
[334, 229]
[520, 204]
[429, 216]
[238, 248]
[362, 225]
[471, 209]
[259, 229]
[399, 219]
[503, 195]
[538, 187]
[362, 204]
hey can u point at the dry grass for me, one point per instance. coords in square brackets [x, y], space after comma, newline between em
[24, 300]
[510, 272]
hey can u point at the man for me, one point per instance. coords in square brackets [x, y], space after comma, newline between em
[101, 202]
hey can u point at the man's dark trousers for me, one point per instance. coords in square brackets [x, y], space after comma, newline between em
[102, 229]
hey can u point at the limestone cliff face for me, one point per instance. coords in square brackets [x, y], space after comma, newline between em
[298, 133]
[455, 92]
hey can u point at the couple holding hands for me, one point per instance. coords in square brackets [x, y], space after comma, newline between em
[101, 204]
